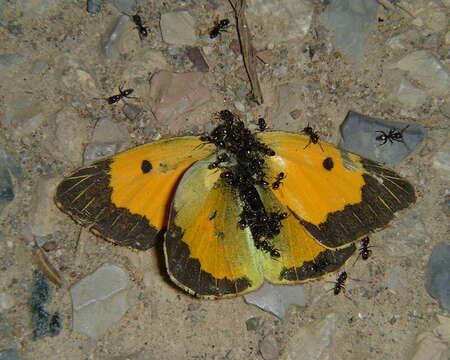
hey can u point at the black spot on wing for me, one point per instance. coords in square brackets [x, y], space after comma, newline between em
[328, 163]
[146, 166]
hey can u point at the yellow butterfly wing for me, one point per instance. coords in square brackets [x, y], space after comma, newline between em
[206, 252]
[302, 258]
[336, 195]
[126, 198]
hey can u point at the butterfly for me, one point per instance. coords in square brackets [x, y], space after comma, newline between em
[225, 228]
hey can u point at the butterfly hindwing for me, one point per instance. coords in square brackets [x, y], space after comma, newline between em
[206, 252]
[337, 196]
[126, 198]
[302, 258]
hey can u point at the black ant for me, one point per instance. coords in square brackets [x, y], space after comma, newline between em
[267, 247]
[116, 98]
[339, 284]
[262, 124]
[393, 135]
[143, 32]
[220, 159]
[218, 28]
[364, 250]
[313, 136]
[277, 183]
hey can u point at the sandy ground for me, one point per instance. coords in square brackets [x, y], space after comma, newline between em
[63, 74]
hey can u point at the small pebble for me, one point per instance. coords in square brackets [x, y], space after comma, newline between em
[269, 348]
[10, 354]
[94, 6]
[195, 55]
[253, 323]
[437, 274]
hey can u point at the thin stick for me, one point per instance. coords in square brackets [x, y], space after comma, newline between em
[247, 50]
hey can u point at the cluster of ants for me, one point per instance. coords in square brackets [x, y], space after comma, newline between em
[248, 170]
[243, 171]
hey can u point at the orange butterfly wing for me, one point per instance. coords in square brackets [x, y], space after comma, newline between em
[336, 195]
[126, 198]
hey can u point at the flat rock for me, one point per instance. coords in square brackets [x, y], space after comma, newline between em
[312, 342]
[10, 354]
[424, 68]
[344, 17]
[359, 133]
[278, 21]
[99, 300]
[112, 41]
[6, 185]
[45, 215]
[174, 95]
[437, 274]
[71, 135]
[178, 28]
[8, 60]
[107, 131]
[269, 348]
[277, 299]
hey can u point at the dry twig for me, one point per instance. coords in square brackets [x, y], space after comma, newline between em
[248, 52]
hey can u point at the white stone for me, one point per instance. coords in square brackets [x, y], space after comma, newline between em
[99, 300]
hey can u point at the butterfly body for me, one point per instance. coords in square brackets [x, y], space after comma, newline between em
[225, 230]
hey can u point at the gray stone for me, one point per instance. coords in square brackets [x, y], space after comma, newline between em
[5, 327]
[441, 161]
[8, 60]
[269, 348]
[278, 21]
[38, 6]
[71, 135]
[6, 301]
[95, 152]
[312, 342]
[254, 323]
[107, 131]
[111, 46]
[423, 67]
[359, 133]
[351, 22]
[45, 215]
[80, 81]
[125, 6]
[178, 28]
[6, 185]
[437, 274]
[94, 6]
[408, 94]
[39, 66]
[277, 299]
[10, 354]
[99, 300]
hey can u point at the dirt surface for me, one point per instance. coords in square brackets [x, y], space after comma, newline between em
[64, 75]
